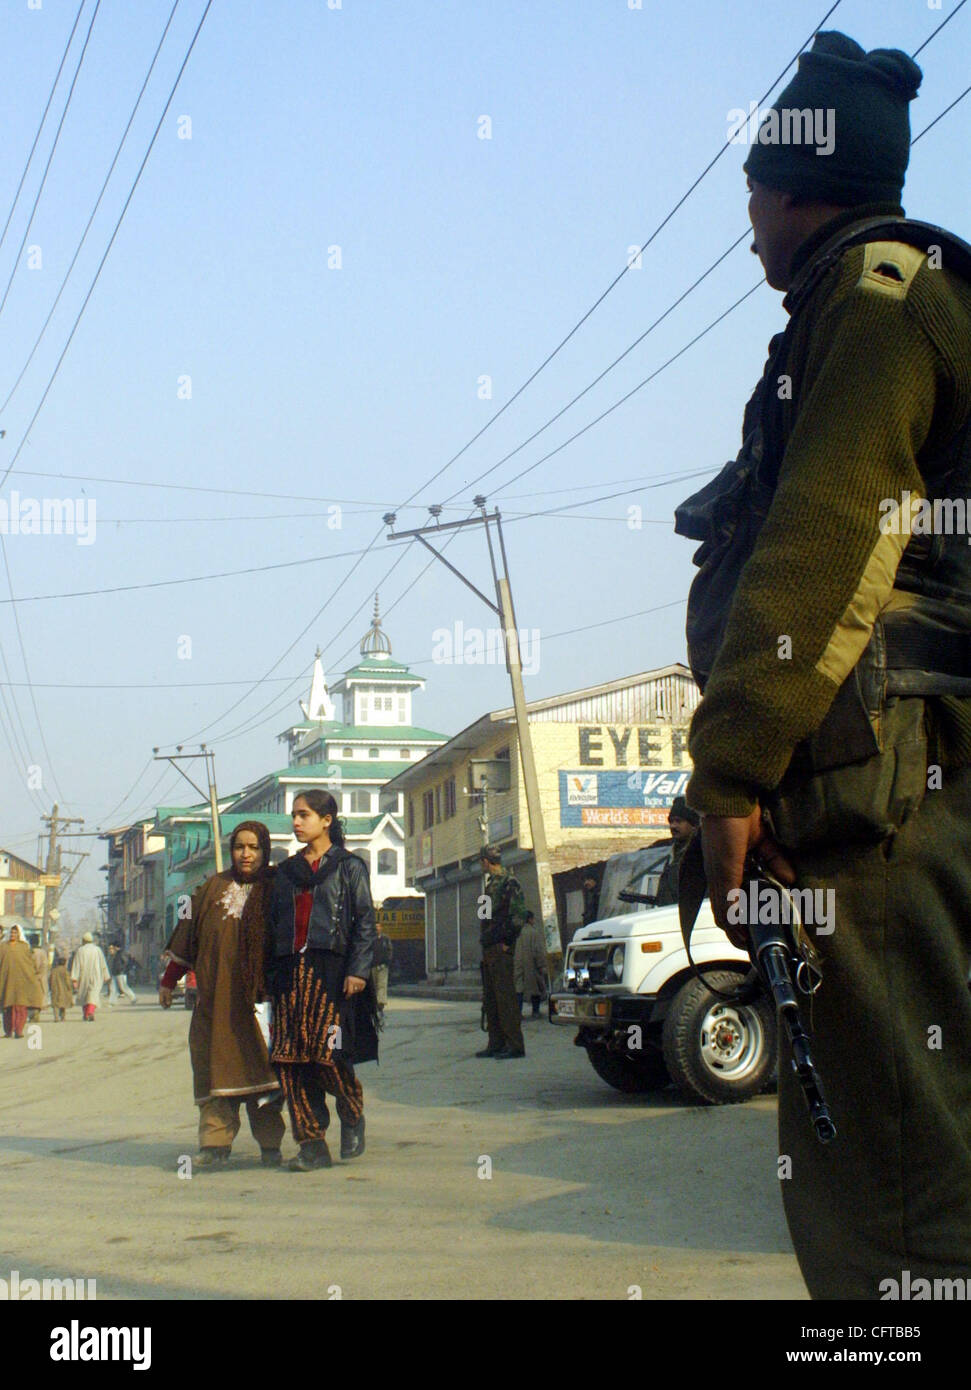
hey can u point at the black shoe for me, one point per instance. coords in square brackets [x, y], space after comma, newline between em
[271, 1158]
[352, 1139]
[313, 1155]
[489, 1052]
[215, 1157]
[507, 1053]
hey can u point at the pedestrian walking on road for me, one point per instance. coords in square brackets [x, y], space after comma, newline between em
[504, 918]
[43, 965]
[89, 975]
[529, 966]
[20, 985]
[62, 996]
[381, 967]
[118, 965]
[224, 941]
[324, 1008]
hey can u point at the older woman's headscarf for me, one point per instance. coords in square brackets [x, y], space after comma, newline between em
[253, 933]
[257, 828]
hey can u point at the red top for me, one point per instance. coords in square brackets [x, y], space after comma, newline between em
[173, 974]
[302, 907]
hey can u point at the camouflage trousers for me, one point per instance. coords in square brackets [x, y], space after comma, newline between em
[892, 1041]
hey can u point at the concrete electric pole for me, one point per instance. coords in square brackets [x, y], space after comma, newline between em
[504, 610]
[51, 878]
[210, 759]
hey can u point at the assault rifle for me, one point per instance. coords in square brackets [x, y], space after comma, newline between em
[784, 960]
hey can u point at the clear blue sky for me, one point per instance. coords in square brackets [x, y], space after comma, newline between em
[461, 257]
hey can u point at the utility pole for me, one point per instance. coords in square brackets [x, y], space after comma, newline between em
[505, 611]
[51, 878]
[210, 760]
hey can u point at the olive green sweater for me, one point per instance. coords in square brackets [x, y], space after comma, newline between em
[880, 368]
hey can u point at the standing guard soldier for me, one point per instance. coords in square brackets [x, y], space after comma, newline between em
[683, 823]
[504, 919]
[832, 641]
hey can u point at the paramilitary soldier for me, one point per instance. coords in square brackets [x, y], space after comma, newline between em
[832, 640]
[502, 921]
[683, 823]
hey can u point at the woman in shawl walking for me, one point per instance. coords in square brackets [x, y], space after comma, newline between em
[322, 940]
[89, 975]
[62, 996]
[224, 942]
[20, 986]
[43, 967]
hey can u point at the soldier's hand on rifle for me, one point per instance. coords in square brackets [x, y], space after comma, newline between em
[726, 841]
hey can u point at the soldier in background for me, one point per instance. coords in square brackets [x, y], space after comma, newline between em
[529, 966]
[683, 823]
[503, 918]
[381, 965]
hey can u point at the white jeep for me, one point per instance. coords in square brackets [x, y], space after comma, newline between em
[642, 1014]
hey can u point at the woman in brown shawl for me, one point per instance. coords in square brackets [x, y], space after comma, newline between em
[224, 942]
[20, 986]
[62, 995]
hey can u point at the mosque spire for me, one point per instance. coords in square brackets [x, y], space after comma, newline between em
[319, 706]
[375, 642]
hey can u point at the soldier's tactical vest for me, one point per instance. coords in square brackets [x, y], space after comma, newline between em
[865, 769]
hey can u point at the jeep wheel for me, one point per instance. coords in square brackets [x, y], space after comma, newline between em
[715, 1051]
[629, 1073]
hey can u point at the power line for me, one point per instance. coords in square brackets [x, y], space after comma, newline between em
[84, 234]
[246, 725]
[597, 379]
[367, 502]
[933, 35]
[617, 278]
[23, 657]
[111, 243]
[77, 320]
[944, 112]
[671, 307]
[50, 157]
[50, 98]
[188, 579]
[239, 727]
[633, 391]
[254, 722]
[115, 809]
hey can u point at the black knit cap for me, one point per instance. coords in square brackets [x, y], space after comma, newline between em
[865, 98]
[682, 811]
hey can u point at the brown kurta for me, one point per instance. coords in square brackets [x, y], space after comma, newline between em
[20, 984]
[226, 1047]
[43, 966]
[62, 995]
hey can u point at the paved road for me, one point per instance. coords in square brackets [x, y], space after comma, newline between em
[591, 1194]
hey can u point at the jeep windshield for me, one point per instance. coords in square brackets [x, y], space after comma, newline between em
[638, 871]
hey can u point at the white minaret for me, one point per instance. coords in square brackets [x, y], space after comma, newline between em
[320, 705]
